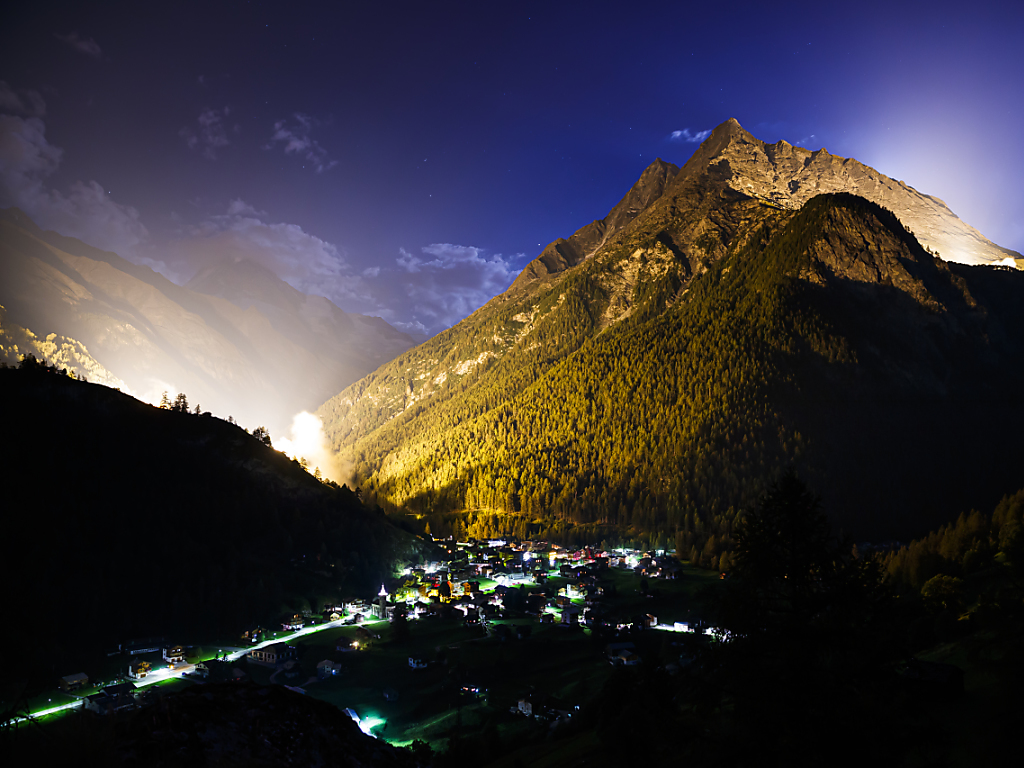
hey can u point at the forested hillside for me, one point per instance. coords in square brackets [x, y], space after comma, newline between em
[671, 421]
[648, 384]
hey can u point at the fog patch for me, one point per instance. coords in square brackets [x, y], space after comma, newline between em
[308, 441]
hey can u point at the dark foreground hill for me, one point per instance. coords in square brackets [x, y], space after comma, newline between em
[220, 724]
[124, 521]
[658, 369]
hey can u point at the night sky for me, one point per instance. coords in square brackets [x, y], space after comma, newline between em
[408, 159]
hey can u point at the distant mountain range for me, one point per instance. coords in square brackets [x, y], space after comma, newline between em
[237, 340]
[655, 370]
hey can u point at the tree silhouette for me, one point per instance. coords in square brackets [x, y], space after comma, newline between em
[263, 435]
[802, 616]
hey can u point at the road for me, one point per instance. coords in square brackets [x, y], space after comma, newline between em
[166, 673]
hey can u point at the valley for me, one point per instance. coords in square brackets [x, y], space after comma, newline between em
[711, 465]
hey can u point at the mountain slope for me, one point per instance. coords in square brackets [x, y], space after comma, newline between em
[238, 341]
[712, 339]
[139, 521]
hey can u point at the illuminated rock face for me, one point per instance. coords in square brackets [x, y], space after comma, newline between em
[789, 176]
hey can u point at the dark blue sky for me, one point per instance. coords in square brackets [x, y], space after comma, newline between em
[407, 159]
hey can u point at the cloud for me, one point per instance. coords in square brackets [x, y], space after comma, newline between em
[87, 46]
[451, 281]
[371, 271]
[689, 138]
[21, 102]
[804, 141]
[306, 262]
[296, 138]
[212, 133]
[85, 211]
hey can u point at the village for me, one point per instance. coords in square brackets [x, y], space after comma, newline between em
[521, 634]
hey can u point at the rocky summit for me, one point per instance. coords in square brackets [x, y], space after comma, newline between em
[788, 176]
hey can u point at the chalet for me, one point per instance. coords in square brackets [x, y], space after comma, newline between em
[534, 705]
[275, 654]
[252, 633]
[74, 682]
[225, 671]
[331, 615]
[612, 649]
[293, 622]
[625, 658]
[113, 698]
[138, 670]
[174, 654]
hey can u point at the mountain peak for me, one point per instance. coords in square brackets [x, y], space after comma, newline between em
[563, 254]
[787, 176]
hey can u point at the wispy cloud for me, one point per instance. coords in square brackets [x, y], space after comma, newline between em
[21, 102]
[451, 281]
[86, 210]
[689, 137]
[307, 262]
[296, 136]
[88, 46]
[211, 133]
[805, 141]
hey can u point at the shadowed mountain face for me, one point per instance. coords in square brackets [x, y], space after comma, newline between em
[236, 340]
[659, 379]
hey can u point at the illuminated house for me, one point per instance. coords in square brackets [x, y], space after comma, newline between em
[138, 670]
[253, 633]
[278, 653]
[74, 682]
[293, 622]
[113, 698]
[326, 669]
[174, 654]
